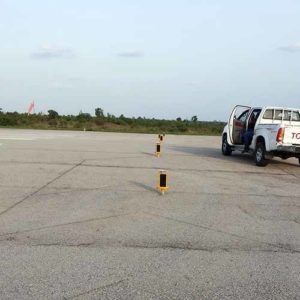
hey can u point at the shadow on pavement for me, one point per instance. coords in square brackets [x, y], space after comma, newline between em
[148, 153]
[144, 186]
[217, 154]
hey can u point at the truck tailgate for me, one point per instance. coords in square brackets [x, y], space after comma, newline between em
[292, 135]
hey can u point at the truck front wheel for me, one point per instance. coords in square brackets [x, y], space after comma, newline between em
[260, 155]
[226, 149]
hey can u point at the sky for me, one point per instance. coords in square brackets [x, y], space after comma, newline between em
[152, 58]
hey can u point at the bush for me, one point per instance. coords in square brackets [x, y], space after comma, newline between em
[52, 122]
[6, 120]
[182, 127]
[99, 122]
[110, 123]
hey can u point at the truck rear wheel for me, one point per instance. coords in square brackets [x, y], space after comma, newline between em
[260, 155]
[299, 160]
[226, 149]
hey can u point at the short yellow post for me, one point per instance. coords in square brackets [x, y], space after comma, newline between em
[158, 150]
[162, 184]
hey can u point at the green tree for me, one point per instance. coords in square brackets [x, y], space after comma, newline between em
[99, 112]
[84, 116]
[194, 119]
[52, 114]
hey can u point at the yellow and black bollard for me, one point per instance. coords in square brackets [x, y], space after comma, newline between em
[161, 137]
[158, 150]
[162, 184]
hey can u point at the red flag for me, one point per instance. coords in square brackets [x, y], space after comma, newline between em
[31, 107]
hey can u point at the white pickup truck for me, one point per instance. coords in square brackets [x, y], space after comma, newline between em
[276, 132]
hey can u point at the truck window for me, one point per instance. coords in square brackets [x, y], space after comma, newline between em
[268, 114]
[291, 115]
[243, 117]
[256, 113]
[278, 114]
[253, 118]
[287, 115]
[296, 116]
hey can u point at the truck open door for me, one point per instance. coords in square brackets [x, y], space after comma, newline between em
[237, 122]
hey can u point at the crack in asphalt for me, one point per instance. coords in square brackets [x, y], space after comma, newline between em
[69, 150]
[98, 289]
[165, 246]
[56, 163]
[245, 211]
[286, 172]
[41, 188]
[62, 191]
[281, 246]
[152, 168]
[115, 189]
[18, 186]
[37, 163]
[184, 169]
[62, 224]
[272, 218]
[63, 245]
[109, 188]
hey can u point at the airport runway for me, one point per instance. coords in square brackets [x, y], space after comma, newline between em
[80, 218]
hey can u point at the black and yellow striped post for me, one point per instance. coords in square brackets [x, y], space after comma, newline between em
[161, 137]
[162, 184]
[158, 150]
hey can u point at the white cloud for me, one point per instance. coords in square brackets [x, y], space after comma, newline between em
[60, 85]
[133, 53]
[50, 52]
[291, 48]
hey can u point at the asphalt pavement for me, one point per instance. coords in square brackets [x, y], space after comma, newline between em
[80, 218]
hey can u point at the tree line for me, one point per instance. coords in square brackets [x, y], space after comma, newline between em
[109, 122]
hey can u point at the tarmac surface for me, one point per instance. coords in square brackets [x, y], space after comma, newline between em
[80, 218]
